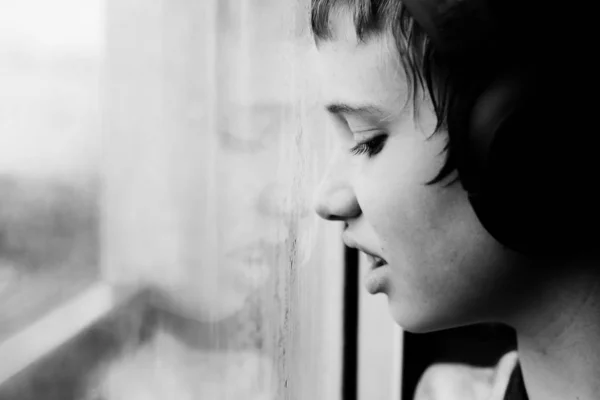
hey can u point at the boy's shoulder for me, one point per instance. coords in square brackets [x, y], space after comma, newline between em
[453, 381]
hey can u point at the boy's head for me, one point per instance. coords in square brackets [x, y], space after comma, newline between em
[401, 101]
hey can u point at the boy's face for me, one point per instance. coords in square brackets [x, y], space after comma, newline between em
[443, 269]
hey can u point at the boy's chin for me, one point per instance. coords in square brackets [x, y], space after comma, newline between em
[415, 321]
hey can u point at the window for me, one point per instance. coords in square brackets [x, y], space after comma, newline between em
[157, 237]
[49, 151]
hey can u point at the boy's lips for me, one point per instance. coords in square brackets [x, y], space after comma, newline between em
[374, 259]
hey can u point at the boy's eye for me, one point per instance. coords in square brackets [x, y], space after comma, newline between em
[371, 146]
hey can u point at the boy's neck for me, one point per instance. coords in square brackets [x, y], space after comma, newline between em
[558, 336]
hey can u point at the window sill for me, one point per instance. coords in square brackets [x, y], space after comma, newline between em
[46, 359]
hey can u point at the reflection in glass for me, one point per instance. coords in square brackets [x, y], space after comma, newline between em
[209, 175]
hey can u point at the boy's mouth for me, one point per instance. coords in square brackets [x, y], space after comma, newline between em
[375, 261]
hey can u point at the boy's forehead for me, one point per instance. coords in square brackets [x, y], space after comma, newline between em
[343, 37]
[352, 71]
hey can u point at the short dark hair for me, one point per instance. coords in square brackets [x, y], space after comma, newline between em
[548, 182]
[452, 84]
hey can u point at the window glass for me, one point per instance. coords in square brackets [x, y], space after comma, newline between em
[50, 65]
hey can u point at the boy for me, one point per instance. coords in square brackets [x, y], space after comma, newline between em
[458, 175]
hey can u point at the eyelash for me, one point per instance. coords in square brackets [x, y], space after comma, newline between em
[371, 146]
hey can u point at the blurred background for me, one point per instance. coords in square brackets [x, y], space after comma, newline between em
[51, 61]
[166, 147]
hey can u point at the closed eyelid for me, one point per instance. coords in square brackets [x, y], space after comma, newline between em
[371, 145]
[360, 122]
[357, 128]
[361, 125]
[339, 118]
[340, 123]
[369, 112]
[366, 134]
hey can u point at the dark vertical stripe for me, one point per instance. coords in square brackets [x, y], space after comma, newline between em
[350, 353]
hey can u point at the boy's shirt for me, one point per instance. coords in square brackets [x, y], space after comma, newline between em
[446, 381]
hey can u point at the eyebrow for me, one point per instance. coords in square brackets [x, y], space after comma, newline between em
[362, 109]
